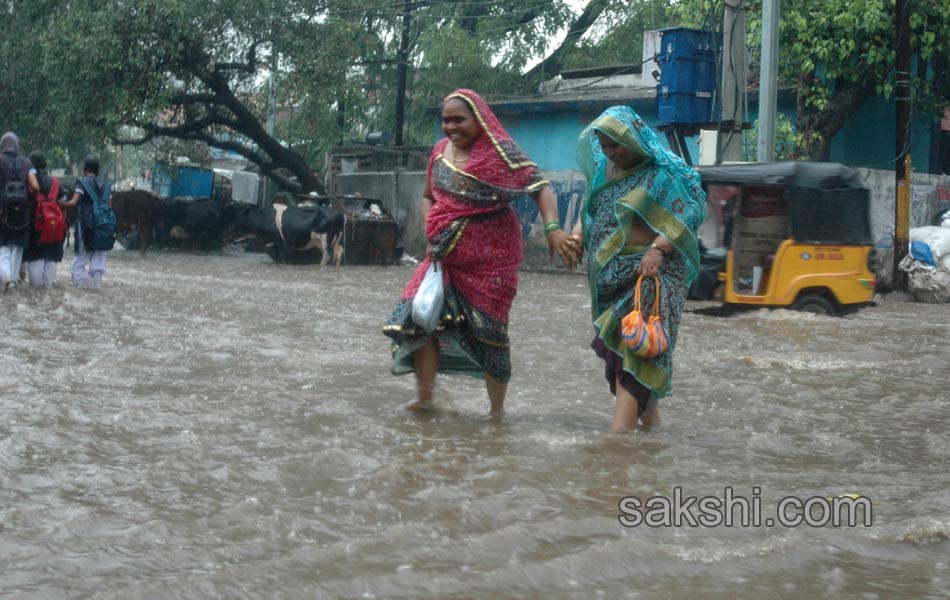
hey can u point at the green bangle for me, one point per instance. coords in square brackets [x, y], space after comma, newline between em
[551, 226]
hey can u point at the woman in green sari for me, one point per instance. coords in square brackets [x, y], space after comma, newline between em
[642, 209]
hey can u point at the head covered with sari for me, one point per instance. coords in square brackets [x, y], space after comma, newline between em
[9, 143]
[495, 157]
[496, 173]
[662, 190]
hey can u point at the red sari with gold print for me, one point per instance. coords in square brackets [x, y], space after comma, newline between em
[476, 234]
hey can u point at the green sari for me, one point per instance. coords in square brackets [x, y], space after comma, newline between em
[663, 192]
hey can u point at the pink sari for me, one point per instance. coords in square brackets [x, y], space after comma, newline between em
[477, 236]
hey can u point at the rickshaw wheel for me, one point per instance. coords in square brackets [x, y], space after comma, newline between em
[815, 303]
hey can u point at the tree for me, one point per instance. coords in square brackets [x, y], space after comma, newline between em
[200, 71]
[195, 71]
[840, 52]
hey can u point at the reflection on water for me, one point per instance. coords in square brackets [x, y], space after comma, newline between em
[220, 427]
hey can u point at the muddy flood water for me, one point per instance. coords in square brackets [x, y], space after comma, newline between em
[215, 426]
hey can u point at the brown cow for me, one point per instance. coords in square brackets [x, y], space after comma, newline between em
[136, 209]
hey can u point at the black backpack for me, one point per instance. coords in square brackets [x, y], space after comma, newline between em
[14, 200]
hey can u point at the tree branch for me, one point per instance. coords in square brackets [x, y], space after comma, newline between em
[552, 64]
[248, 66]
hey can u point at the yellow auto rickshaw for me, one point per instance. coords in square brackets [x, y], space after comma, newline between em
[797, 234]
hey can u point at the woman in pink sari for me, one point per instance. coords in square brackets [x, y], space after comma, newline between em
[473, 177]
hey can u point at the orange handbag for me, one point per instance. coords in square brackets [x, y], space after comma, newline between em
[646, 337]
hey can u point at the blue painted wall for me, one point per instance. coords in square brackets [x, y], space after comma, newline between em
[549, 139]
[869, 138]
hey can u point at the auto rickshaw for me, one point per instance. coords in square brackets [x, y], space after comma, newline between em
[797, 234]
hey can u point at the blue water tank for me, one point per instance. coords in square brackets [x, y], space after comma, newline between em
[688, 76]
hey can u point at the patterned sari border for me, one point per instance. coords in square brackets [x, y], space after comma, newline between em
[447, 163]
[639, 202]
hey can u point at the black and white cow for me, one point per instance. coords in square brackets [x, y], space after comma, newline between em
[295, 234]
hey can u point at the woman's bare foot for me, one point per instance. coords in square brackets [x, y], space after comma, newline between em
[419, 406]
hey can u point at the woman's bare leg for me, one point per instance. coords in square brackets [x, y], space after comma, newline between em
[425, 361]
[651, 417]
[496, 394]
[625, 413]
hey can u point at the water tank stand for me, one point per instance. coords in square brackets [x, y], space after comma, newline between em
[676, 138]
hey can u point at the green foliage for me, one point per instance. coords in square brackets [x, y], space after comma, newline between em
[825, 43]
[790, 144]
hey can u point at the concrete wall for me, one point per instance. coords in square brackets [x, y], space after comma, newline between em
[929, 195]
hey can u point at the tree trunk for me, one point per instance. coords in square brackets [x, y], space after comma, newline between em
[819, 127]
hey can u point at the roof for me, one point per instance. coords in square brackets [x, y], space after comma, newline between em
[589, 99]
[605, 71]
[819, 175]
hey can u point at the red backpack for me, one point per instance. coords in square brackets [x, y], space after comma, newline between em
[48, 219]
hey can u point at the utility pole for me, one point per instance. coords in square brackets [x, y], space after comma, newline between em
[401, 69]
[733, 82]
[271, 110]
[902, 171]
[768, 81]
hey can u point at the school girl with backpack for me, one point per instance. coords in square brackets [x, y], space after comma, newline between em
[95, 225]
[17, 180]
[45, 251]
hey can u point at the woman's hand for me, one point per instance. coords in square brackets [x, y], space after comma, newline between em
[555, 239]
[650, 263]
[570, 248]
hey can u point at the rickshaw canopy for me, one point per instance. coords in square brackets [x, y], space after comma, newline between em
[828, 203]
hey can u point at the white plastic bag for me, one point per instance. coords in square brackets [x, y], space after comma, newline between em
[937, 238]
[427, 305]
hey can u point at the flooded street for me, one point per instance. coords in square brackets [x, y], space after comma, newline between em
[221, 427]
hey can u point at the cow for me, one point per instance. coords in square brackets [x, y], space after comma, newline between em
[294, 234]
[200, 223]
[136, 209]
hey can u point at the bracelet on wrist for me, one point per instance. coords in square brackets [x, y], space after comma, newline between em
[551, 226]
[654, 246]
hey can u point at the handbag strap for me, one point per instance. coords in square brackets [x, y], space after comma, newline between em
[636, 293]
[656, 295]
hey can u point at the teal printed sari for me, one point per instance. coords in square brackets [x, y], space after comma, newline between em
[665, 194]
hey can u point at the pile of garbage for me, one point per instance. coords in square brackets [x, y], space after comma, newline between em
[927, 263]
